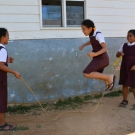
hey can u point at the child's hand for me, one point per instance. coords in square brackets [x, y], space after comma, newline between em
[10, 60]
[17, 75]
[119, 54]
[122, 54]
[133, 68]
[92, 54]
[81, 47]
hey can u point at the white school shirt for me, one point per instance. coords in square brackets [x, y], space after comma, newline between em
[129, 44]
[3, 54]
[99, 37]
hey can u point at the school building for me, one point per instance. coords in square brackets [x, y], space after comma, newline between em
[44, 39]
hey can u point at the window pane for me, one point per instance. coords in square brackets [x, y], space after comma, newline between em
[51, 13]
[75, 13]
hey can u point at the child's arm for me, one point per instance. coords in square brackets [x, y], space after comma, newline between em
[86, 44]
[7, 69]
[103, 50]
[133, 68]
[10, 60]
[119, 54]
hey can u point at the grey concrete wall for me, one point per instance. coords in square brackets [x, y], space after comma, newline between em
[53, 68]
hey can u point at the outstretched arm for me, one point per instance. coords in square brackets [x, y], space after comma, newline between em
[3, 67]
[86, 44]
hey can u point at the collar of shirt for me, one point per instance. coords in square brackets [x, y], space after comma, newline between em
[2, 45]
[95, 32]
[130, 44]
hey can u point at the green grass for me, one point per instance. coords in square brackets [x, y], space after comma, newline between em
[88, 97]
[132, 109]
[38, 126]
[114, 94]
[22, 109]
[98, 95]
[21, 128]
[68, 103]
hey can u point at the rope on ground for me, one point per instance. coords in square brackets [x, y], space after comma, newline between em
[63, 112]
[115, 63]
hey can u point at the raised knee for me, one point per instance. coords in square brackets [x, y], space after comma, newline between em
[85, 75]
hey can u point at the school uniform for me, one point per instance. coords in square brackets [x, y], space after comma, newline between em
[127, 77]
[3, 80]
[99, 62]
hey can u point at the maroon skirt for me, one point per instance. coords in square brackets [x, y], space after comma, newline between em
[3, 92]
[97, 64]
[127, 77]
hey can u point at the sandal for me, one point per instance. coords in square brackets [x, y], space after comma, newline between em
[123, 103]
[109, 86]
[10, 127]
[114, 77]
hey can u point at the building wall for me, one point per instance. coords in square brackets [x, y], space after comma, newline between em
[53, 68]
[49, 59]
[113, 17]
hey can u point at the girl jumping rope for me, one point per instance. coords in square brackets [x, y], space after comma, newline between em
[127, 71]
[99, 54]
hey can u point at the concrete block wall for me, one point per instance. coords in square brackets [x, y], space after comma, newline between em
[53, 68]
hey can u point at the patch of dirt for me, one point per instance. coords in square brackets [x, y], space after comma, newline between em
[108, 119]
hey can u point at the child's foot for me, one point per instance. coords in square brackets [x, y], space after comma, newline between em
[123, 103]
[7, 127]
[106, 84]
[111, 82]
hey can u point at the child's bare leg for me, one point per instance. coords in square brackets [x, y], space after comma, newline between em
[125, 92]
[125, 95]
[2, 122]
[107, 78]
[2, 119]
[133, 89]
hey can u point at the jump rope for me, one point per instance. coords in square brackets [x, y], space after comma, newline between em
[77, 111]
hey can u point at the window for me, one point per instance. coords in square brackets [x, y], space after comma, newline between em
[62, 13]
[51, 13]
[74, 13]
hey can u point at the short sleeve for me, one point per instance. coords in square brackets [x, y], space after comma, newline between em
[100, 38]
[121, 48]
[3, 55]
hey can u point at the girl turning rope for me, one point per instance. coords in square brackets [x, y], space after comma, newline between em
[4, 60]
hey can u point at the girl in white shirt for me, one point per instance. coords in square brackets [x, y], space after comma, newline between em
[4, 60]
[99, 54]
[127, 71]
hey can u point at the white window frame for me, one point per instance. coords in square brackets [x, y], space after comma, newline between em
[64, 17]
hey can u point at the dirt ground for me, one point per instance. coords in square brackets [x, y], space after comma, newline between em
[108, 119]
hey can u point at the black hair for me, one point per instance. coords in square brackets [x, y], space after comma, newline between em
[3, 32]
[132, 31]
[88, 23]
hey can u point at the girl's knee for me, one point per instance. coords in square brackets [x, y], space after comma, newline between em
[85, 75]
